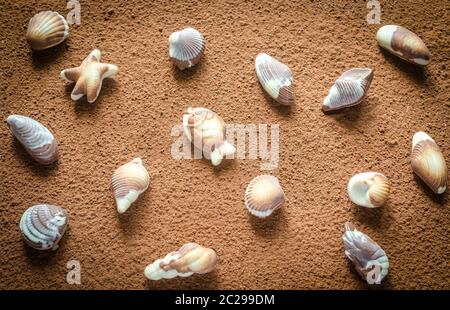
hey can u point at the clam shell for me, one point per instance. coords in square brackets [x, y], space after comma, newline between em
[264, 195]
[37, 140]
[42, 226]
[368, 189]
[206, 130]
[276, 78]
[403, 43]
[349, 89]
[368, 257]
[189, 259]
[428, 162]
[128, 182]
[46, 29]
[186, 47]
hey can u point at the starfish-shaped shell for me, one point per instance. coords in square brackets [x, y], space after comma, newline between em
[89, 76]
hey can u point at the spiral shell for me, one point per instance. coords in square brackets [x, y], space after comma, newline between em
[264, 195]
[368, 189]
[369, 258]
[186, 47]
[189, 259]
[128, 182]
[349, 89]
[403, 43]
[46, 29]
[428, 162]
[42, 226]
[276, 78]
[37, 140]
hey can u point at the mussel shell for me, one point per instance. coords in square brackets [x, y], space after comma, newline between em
[46, 29]
[368, 189]
[264, 195]
[186, 47]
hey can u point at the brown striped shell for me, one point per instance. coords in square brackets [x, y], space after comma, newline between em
[46, 29]
[264, 195]
[186, 47]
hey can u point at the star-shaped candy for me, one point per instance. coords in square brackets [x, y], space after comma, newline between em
[89, 76]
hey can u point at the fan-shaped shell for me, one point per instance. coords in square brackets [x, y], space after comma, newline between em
[276, 78]
[428, 162]
[42, 226]
[349, 89]
[189, 259]
[128, 182]
[37, 140]
[368, 189]
[264, 195]
[46, 29]
[186, 47]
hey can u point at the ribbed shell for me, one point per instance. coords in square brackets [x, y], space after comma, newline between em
[42, 226]
[368, 189]
[186, 47]
[46, 29]
[276, 78]
[37, 140]
[128, 182]
[264, 195]
[349, 89]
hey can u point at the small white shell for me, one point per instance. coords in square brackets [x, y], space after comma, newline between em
[46, 29]
[42, 226]
[37, 140]
[264, 195]
[128, 182]
[189, 259]
[186, 47]
[349, 89]
[276, 78]
[368, 189]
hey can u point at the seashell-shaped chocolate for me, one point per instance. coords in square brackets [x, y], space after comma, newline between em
[186, 47]
[428, 162]
[189, 259]
[368, 189]
[128, 182]
[369, 258]
[46, 29]
[264, 195]
[349, 89]
[206, 130]
[403, 43]
[42, 226]
[276, 78]
[37, 140]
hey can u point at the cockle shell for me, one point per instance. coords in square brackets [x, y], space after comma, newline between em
[42, 226]
[369, 258]
[46, 29]
[276, 78]
[428, 162]
[349, 89]
[128, 182]
[206, 130]
[186, 47]
[368, 189]
[37, 140]
[264, 195]
[403, 43]
[189, 259]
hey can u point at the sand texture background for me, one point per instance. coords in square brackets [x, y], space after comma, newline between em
[299, 247]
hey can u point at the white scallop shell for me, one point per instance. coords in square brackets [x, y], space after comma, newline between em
[264, 195]
[186, 47]
[368, 189]
[46, 29]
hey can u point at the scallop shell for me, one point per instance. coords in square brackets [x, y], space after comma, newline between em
[264, 195]
[189, 259]
[404, 44]
[206, 130]
[128, 182]
[428, 162]
[276, 78]
[46, 29]
[369, 258]
[42, 226]
[37, 140]
[368, 189]
[349, 89]
[186, 47]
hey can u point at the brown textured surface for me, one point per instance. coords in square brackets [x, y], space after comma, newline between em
[300, 246]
